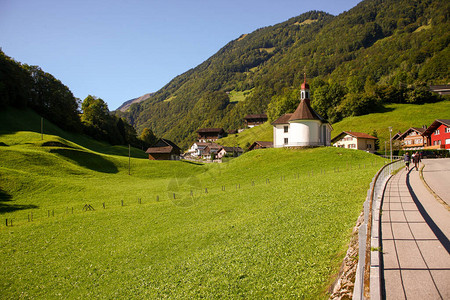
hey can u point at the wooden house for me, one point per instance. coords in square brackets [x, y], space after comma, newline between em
[355, 140]
[260, 145]
[164, 150]
[412, 138]
[229, 151]
[437, 136]
[210, 149]
[255, 120]
[197, 149]
[210, 134]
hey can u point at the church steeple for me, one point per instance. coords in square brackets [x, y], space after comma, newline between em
[304, 94]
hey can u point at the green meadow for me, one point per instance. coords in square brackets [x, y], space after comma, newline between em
[273, 223]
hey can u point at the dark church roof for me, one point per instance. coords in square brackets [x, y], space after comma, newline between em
[305, 112]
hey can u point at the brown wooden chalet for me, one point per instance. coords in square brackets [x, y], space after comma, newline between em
[255, 119]
[440, 89]
[210, 134]
[164, 150]
[412, 138]
[260, 145]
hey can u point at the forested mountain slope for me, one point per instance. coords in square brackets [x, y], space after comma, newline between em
[377, 52]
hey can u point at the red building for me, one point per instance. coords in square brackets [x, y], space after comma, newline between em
[438, 134]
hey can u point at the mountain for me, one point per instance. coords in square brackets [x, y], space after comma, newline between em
[376, 52]
[126, 105]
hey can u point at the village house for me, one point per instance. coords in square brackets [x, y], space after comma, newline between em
[255, 120]
[260, 145]
[229, 151]
[164, 150]
[302, 128]
[437, 136]
[412, 138]
[197, 148]
[210, 134]
[211, 148]
[355, 140]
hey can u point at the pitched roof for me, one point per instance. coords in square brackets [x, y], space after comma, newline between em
[256, 116]
[210, 130]
[416, 129]
[205, 144]
[232, 149]
[167, 149]
[284, 119]
[265, 144]
[261, 144]
[360, 135]
[305, 112]
[165, 143]
[435, 125]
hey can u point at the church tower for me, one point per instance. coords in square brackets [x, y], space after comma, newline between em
[304, 94]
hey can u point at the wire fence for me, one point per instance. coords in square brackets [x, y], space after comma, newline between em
[183, 196]
[367, 280]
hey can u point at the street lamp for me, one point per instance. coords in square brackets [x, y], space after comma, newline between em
[385, 147]
[390, 140]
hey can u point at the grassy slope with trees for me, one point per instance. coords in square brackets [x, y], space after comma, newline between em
[256, 239]
[376, 53]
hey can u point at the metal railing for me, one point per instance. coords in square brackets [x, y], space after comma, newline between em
[367, 280]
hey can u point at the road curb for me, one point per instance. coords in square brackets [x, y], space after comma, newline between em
[439, 199]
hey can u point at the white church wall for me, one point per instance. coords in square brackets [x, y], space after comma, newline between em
[279, 135]
[305, 133]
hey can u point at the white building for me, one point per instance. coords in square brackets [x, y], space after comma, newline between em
[355, 140]
[302, 128]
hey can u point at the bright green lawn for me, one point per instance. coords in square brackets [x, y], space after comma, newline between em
[280, 239]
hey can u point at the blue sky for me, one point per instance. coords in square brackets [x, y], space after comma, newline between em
[119, 50]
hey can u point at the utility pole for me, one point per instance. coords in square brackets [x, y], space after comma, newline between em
[390, 140]
[129, 159]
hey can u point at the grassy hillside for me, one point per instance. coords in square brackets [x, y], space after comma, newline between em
[376, 43]
[13, 120]
[247, 137]
[399, 116]
[271, 223]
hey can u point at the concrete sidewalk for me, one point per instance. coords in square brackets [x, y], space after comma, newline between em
[415, 231]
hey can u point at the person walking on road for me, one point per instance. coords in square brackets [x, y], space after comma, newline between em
[416, 160]
[407, 160]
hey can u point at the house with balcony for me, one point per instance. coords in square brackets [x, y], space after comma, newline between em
[412, 139]
[437, 136]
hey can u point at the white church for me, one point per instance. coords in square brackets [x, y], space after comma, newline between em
[302, 128]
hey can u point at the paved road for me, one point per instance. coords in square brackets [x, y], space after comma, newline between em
[437, 176]
[415, 233]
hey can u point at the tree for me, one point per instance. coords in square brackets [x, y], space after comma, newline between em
[148, 137]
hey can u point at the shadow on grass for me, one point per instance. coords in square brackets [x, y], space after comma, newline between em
[5, 207]
[87, 160]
